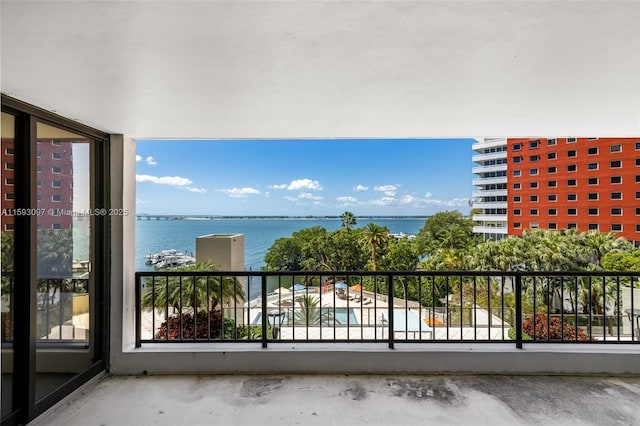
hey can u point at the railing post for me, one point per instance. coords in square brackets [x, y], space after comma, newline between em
[518, 290]
[138, 311]
[390, 310]
[265, 318]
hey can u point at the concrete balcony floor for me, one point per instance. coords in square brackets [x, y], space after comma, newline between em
[351, 400]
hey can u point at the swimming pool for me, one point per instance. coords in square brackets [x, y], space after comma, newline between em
[326, 316]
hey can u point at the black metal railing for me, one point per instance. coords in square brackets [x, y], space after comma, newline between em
[387, 307]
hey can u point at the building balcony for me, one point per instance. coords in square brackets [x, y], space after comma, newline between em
[489, 181]
[489, 156]
[480, 193]
[486, 229]
[490, 218]
[490, 205]
[489, 143]
[491, 168]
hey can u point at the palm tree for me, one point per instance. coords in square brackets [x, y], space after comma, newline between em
[191, 290]
[310, 312]
[374, 236]
[348, 220]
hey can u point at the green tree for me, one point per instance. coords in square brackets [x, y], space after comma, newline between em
[622, 261]
[348, 220]
[309, 312]
[191, 290]
[374, 237]
[445, 229]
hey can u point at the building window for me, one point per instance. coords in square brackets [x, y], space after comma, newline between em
[533, 198]
[553, 169]
[8, 196]
[572, 197]
[8, 151]
[572, 212]
[517, 199]
[39, 168]
[552, 184]
[616, 227]
[533, 172]
[617, 195]
[534, 225]
[592, 211]
[533, 185]
[592, 151]
[533, 212]
[9, 181]
[517, 212]
[593, 227]
[8, 226]
[592, 196]
[56, 197]
[571, 226]
[592, 181]
[637, 162]
[56, 142]
[637, 211]
[615, 148]
[516, 185]
[572, 153]
[616, 211]
[39, 154]
[552, 225]
[592, 166]
[56, 155]
[56, 226]
[552, 197]
[615, 179]
[39, 197]
[551, 142]
[39, 182]
[637, 178]
[637, 146]
[552, 212]
[533, 144]
[56, 184]
[56, 170]
[517, 225]
[571, 140]
[9, 166]
[534, 158]
[616, 164]
[517, 160]
[517, 146]
[517, 173]
[572, 182]
[551, 156]
[637, 195]
[637, 228]
[572, 168]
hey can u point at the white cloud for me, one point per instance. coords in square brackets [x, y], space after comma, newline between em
[408, 199]
[138, 158]
[283, 186]
[348, 200]
[388, 190]
[360, 188]
[300, 184]
[454, 202]
[240, 192]
[151, 161]
[309, 196]
[384, 201]
[198, 190]
[164, 180]
[289, 198]
[428, 195]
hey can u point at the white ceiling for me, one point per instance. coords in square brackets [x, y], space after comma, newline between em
[244, 69]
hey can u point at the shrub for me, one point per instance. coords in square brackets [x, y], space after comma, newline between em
[198, 328]
[540, 327]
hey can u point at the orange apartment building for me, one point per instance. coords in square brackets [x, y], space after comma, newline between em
[580, 183]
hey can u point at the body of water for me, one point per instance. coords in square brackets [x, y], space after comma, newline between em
[153, 236]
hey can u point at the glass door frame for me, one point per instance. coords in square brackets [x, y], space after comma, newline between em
[25, 406]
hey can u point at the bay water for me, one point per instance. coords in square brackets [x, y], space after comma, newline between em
[153, 236]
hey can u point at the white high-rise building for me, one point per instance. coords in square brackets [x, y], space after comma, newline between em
[490, 193]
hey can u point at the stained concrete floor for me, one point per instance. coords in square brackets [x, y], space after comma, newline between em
[351, 400]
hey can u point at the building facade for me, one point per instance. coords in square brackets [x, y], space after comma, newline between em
[567, 183]
[490, 195]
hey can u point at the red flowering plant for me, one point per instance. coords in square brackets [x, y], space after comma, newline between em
[542, 327]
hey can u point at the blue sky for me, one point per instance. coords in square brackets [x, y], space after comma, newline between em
[303, 177]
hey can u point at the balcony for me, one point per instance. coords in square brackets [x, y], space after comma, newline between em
[491, 168]
[490, 205]
[489, 143]
[489, 193]
[490, 218]
[489, 180]
[489, 156]
[486, 229]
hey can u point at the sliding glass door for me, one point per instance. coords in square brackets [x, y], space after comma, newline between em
[55, 283]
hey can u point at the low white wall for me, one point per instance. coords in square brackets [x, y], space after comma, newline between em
[362, 359]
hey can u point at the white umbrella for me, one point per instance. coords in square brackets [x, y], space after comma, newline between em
[281, 290]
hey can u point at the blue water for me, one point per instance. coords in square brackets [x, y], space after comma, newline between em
[343, 316]
[153, 236]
